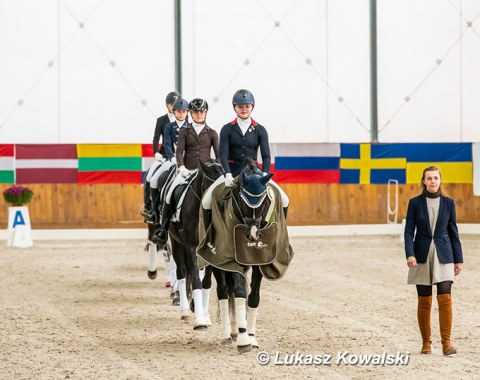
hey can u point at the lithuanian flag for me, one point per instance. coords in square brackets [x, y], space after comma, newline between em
[109, 163]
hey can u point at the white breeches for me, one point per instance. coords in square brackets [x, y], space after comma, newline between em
[155, 176]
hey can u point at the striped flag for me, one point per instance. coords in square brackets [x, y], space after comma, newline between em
[7, 163]
[453, 159]
[147, 158]
[109, 163]
[305, 163]
[46, 163]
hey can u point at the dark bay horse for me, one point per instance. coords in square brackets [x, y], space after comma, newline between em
[249, 232]
[183, 233]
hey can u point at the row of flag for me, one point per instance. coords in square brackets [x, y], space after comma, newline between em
[292, 163]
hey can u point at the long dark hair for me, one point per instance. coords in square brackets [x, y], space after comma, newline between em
[431, 168]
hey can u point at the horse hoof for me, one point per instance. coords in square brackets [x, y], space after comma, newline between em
[152, 275]
[185, 318]
[253, 342]
[234, 337]
[226, 341]
[243, 349]
[176, 299]
[200, 327]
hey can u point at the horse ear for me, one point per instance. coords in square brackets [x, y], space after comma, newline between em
[244, 177]
[266, 178]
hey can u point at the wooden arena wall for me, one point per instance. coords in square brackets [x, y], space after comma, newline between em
[118, 206]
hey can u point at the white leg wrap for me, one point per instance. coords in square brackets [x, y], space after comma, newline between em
[152, 257]
[224, 319]
[241, 317]
[173, 272]
[182, 289]
[206, 304]
[199, 315]
[252, 324]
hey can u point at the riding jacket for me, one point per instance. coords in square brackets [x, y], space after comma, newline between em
[192, 148]
[418, 234]
[170, 136]
[236, 147]
[162, 121]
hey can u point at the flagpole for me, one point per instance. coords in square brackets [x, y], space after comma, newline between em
[373, 73]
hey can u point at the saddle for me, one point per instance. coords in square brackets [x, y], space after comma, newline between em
[164, 182]
[178, 196]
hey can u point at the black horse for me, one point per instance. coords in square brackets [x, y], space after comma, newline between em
[183, 233]
[255, 237]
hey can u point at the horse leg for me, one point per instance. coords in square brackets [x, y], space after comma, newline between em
[253, 302]
[206, 287]
[178, 252]
[200, 320]
[222, 294]
[152, 260]
[239, 291]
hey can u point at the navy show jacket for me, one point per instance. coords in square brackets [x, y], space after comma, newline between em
[236, 147]
[418, 234]
[162, 121]
[170, 137]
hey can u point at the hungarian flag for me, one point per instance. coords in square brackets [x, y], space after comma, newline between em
[46, 163]
[7, 163]
[109, 163]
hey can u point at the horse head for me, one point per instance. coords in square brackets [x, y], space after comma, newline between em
[211, 169]
[253, 199]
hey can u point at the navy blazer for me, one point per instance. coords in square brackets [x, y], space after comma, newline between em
[235, 147]
[170, 137]
[162, 121]
[418, 234]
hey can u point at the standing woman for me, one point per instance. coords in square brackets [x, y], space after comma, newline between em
[434, 255]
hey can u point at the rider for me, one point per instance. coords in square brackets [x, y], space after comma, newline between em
[194, 145]
[148, 193]
[239, 139]
[170, 135]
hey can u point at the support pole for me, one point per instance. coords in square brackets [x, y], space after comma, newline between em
[373, 73]
[178, 45]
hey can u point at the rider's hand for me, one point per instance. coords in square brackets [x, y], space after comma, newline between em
[173, 160]
[183, 171]
[229, 180]
[158, 156]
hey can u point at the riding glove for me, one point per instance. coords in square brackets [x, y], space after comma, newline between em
[158, 156]
[183, 171]
[229, 180]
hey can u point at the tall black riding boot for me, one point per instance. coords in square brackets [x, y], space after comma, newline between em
[152, 216]
[161, 234]
[147, 202]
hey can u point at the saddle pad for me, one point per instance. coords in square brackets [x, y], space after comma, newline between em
[261, 252]
[179, 202]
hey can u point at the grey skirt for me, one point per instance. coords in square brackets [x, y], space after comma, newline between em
[432, 271]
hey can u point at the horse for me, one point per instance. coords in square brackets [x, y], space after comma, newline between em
[183, 232]
[250, 214]
[164, 181]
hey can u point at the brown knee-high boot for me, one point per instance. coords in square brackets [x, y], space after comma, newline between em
[423, 315]
[445, 319]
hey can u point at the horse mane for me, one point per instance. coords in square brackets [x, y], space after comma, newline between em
[250, 166]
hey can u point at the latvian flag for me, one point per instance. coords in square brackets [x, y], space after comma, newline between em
[7, 163]
[46, 163]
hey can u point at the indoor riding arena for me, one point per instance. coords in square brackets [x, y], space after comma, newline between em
[357, 99]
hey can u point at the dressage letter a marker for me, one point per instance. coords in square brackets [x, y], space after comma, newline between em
[18, 219]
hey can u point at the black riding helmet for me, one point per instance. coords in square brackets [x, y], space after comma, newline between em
[198, 105]
[171, 97]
